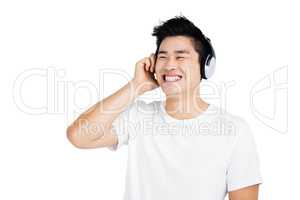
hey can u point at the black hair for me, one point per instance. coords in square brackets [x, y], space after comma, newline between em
[181, 26]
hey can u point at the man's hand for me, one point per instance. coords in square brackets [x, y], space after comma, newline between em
[144, 74]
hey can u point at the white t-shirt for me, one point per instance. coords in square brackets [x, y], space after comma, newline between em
[199, 158]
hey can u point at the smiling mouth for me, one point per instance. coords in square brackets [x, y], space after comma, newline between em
[173, 78]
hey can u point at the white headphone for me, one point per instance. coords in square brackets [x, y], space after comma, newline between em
[210, 61]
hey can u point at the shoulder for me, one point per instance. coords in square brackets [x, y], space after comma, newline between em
[238, 134]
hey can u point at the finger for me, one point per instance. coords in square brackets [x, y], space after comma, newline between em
[145, 63]
[152, 62]
[148, 63]
[154, 58]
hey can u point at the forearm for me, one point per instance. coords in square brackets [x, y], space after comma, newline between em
[97, 120]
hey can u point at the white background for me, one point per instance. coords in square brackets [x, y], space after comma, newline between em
[51, 57]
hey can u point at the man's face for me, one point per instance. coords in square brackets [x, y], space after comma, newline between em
[177, 60]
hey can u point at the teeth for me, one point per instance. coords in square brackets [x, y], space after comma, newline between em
[172, 78]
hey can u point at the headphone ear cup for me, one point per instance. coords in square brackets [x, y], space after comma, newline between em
[210, 66]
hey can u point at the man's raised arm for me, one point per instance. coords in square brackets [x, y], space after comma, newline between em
[93, 128]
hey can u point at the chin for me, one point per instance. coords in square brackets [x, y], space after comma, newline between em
[172, 91]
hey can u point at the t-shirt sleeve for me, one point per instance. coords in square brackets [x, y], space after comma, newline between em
[244, 167]
[125, 125]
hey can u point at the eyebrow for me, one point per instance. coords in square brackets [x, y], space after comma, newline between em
[176, 51]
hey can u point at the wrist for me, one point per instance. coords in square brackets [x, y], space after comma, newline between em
[135, 86]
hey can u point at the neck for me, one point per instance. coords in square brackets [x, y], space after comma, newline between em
[185, 106]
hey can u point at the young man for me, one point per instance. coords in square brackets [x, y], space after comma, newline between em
[180, 148]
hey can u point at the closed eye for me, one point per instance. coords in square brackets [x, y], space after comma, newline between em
[161, 57]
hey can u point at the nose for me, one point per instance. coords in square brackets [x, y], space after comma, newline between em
[170, 64]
